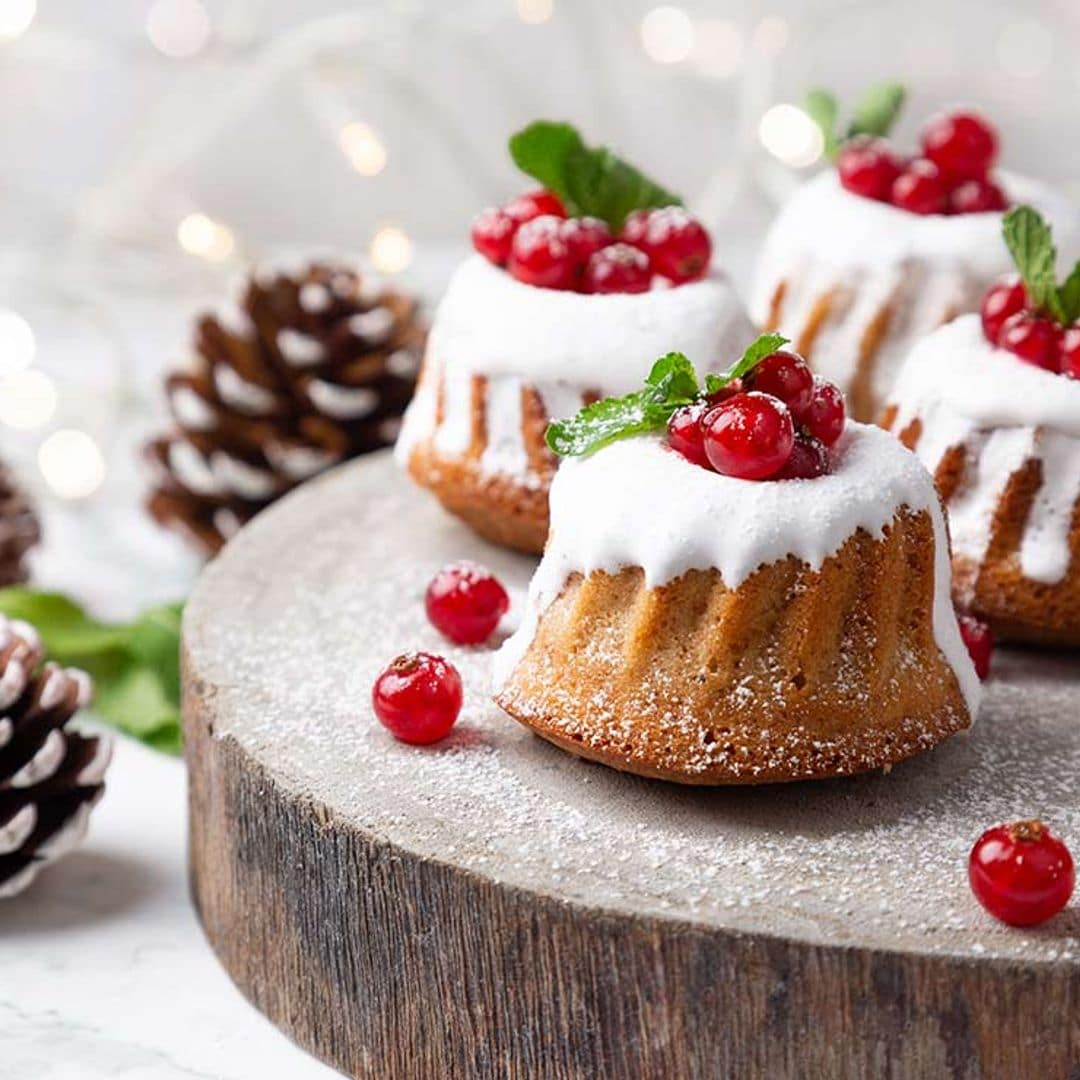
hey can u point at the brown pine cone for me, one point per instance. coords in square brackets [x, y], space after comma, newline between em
[50, 776]
[311, 367]
[19, 530]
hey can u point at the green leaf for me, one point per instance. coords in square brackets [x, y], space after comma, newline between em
[1031, 245]
[764, 346]
[1069, 296]
[821, 107]
[672, 379]
[877, 110]
[589, 180]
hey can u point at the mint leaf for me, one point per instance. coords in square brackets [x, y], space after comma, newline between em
[764, 346]
[670, 384]
[822, 108]
[135, 667]
[1069, 296]
[877, 110]
[1031, 245]
[590, 181]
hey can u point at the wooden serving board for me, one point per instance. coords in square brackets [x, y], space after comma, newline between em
[492, 907]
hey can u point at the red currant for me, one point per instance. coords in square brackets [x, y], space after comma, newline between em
[977, 197]
[493, 234]
[868, 167]
[685, 434]
[1070, 352]
[540, 255]
[618, 268]
[786, 377]
[920, 188]
[809, 459]
[1032, 337]
[718, 397]
[979, 641]
[584, 237]
[465, 602]
[750, 436]
[418, 698]
[1021, 873]
[678, 245]
[534, 204]
[961, 144]
[825, 415]
[1003, 299]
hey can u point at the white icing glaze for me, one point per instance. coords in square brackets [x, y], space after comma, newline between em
[635, 503]
[965, 392]
[299, 349]
[342, 402]
[237, 392]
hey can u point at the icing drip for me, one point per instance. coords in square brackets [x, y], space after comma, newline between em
[608, 512]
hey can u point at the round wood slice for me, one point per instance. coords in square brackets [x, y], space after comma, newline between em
[493, 907]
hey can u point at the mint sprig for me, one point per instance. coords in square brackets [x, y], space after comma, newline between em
[875, 114]
[671, 384]
[135, 666]
[1031, 244]
[590, 181]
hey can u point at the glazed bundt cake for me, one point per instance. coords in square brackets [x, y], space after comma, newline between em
[992, 408]
[869, 256]
[718, 629]
[555, 311]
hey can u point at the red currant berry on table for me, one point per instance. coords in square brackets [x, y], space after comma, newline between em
[1070, 352]
[584, 237]
[465, 603]
[540, 255]
[1034, 338]
[534, 204]
[1001, 300]
[787, 377]
[678, 245]
[824, 417]
[750, 436]
[920, 189]
[685, 434]
[868, 167]
[1021, 873]
[979, 642]
[977, 197]
[809, 459]
[493, 234]
[618, 268]
[962, 144]
[418, 698]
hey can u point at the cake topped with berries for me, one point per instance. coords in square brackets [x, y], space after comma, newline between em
[991, 404]
[710, 610]
[574, 290]
[885, 246]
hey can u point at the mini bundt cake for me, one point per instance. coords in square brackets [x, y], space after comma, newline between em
[868, 257]
[788, 620]
[553, 313]
[991, 405]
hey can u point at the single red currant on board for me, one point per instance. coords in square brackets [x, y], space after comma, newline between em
[825, 415]
[1034, 338]
[418, 698]
[1021, 873]
[809, 459]
[787, 377]
[534, 204]
[1001, 300]
[584, 237]
[678, 245]
[962, 144]
[618, 268]
[977, 197]
[493, 234]
[465, 603]
[1070, 352]
[540, 255]
[920, 188]
[685, 435]
[750, 436]
[868, 167]
[979, 642]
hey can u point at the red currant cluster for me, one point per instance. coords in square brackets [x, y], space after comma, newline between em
[419, 696]
[1010, 323]
[952, 176]
[540, 245]
[777, 423]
